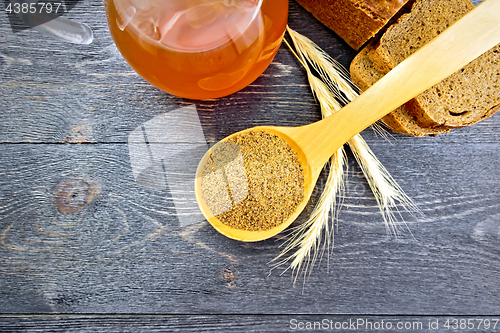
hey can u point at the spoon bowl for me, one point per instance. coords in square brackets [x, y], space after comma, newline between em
[310, 173]
[315, 143]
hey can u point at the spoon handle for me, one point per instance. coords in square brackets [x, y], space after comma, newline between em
[467, 39]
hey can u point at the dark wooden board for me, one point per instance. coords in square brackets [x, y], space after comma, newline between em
[66, 113]
[51, 90]
[125, 252]
[242, 323]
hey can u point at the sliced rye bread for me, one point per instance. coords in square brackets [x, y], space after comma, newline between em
[469, 95]
[364, 75]
[355, 21]
[463, 99]
[426, 20]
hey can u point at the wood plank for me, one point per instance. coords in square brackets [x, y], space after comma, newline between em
[125, 251]
[78, 235]
[54, 90]
[229, 323]
[64, 86]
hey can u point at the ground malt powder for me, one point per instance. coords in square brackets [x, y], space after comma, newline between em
[254, 181]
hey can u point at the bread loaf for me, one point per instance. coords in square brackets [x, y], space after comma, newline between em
[468, 96]
[463, 99]
[426, 20]
[355, 21]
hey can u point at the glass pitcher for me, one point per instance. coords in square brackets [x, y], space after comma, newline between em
[198, 49]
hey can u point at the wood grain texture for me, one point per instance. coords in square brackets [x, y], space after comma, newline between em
[66, 113]
[125, 251]
[231, 323]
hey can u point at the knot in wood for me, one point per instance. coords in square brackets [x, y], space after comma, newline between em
[230, 276]
[72, 195]
[79, 134]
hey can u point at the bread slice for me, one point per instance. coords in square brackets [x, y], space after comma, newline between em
[364, 75]
[355, 21]
[426, 20]
[469, 95]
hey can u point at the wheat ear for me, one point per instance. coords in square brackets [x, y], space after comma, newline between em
[307, 236]
[332, 73]
[387, 192]
[338, 89]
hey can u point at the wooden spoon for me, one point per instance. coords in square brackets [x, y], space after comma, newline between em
[467, 39]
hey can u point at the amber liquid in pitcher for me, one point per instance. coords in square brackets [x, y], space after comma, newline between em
[198, 49]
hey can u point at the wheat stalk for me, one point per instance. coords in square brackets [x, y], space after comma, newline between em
[336, 76]
[331, 71]
[331, 90]
[307, 236]
[386, 190]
